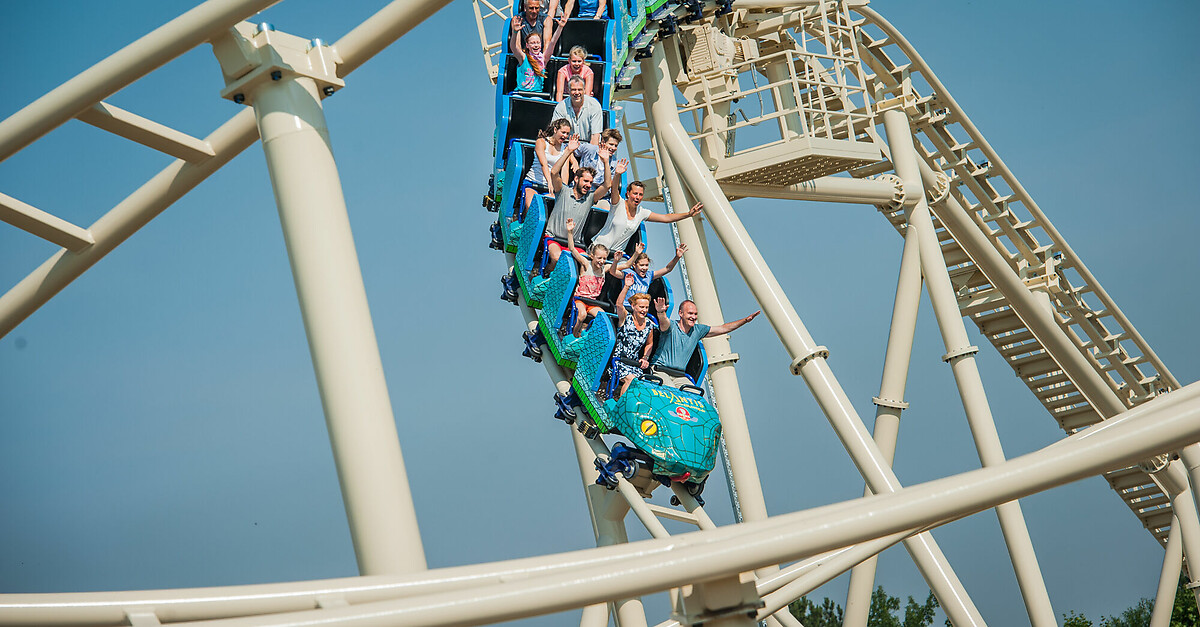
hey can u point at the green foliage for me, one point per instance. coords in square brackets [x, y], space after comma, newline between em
[1184, 614]
[920, 615]
[1076, 620]
[1136, 616]
[828, 614]
[883, 607]
[882, 613]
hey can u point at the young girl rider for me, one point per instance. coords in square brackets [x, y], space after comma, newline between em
[531, 57]
[576, 66]
[634, 341]
[591, 277]
[641, 275]
[548, 149]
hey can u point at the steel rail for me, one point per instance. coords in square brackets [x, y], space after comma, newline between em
[120, 69]
[180, 177]
[1154, 426]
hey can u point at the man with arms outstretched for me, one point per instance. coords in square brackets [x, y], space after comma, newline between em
[679, 339]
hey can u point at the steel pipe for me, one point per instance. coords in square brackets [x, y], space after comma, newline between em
[759, 543]
[888, 406]
[1168, 580]
[961, 357]
[808, 357]
[825, 189]
[174, 181]
[120, 69]
[1155, 426]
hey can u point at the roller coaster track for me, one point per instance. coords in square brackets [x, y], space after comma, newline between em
[1005, 260]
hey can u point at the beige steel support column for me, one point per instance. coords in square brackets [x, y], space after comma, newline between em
[1190, 456]
[1168, 581]
[337, 319]
[721, 372]
[608, 520]
[1041, 322]
[888, 406]
[601, 508]
[597, 502]
[961, 356]
[1173, 481]
[784, 99]
[809, 358]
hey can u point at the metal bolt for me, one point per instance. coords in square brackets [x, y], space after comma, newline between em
[328, 91]
[239, 98]
[276, 75]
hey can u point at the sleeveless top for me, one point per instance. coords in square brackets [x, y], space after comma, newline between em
[589, 285]
[535, 174]
[527, 79]
[619, 227]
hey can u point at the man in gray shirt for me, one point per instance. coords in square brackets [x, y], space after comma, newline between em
[574, 202]
[582, 111]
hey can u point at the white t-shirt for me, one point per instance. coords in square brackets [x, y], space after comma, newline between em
[618, 228]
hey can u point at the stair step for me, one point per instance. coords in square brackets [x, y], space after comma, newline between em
[1001, 322]
[1040, 363]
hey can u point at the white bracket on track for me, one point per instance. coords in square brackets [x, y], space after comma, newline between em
[251, 55]
[710, 600]
[1043, 278]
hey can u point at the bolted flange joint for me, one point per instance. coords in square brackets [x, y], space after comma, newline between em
[959, 353]
[897, 201]
[251, 56]
[798, 363]
[939, 190]
[1154, 464]
[887, 402]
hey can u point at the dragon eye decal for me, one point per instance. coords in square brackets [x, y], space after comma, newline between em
[649, 427]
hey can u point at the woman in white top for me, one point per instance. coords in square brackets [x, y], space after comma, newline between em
[625, 217]
[549, 149]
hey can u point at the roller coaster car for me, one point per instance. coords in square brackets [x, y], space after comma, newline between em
[678, 428]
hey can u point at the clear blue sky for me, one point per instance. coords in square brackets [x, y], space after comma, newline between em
[160, 421]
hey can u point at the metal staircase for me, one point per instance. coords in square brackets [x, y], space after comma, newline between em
[1003, 211]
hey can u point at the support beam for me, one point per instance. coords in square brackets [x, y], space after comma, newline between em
[888, 406]
[828, 570]
[1037, 316]
[808, 357]
[123, 220]
[146, 132]
[608, 521]
[337, 321]
[743, 467]
[44, 225]
[122, 68]
[1168, 580]
[961, 357]
[179, 178]
[825, 189]
[544, 584]
[547, 584]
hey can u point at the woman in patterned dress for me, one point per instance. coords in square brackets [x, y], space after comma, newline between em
[634, 342]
